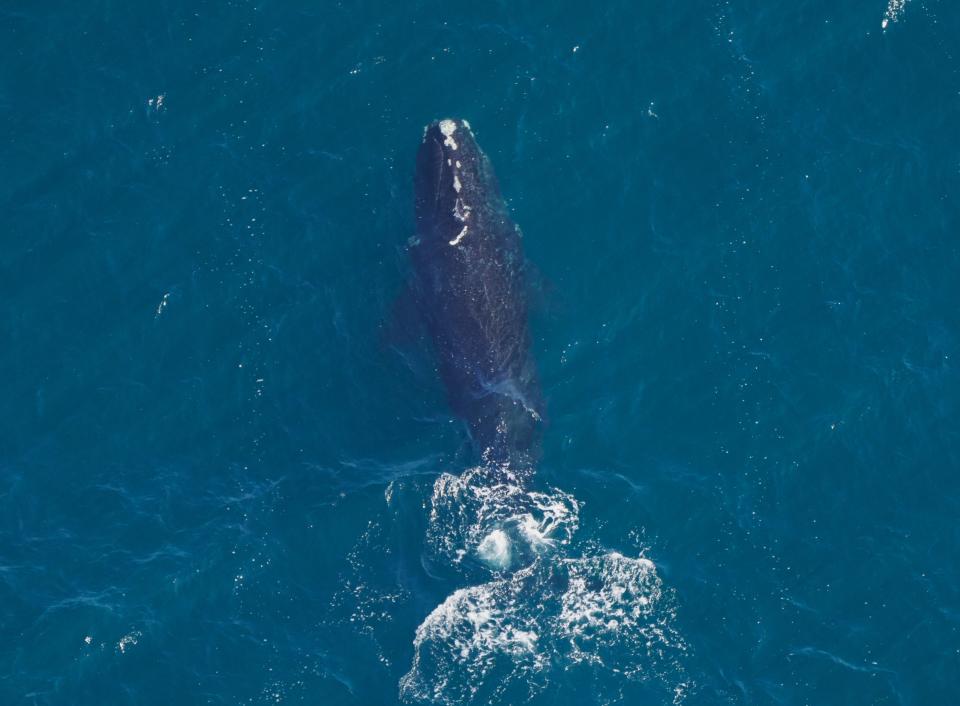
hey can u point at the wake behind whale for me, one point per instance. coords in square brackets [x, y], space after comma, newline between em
[528, 608]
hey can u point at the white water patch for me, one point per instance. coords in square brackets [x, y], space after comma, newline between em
[535, 612]
[128, 641]
[466, 510]
[163, 304]
[494, 550]
[612, 609]
[894, 12]
[538, 617]
[479, 639]
[501, 641]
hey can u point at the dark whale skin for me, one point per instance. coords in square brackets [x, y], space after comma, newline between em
[470, 287]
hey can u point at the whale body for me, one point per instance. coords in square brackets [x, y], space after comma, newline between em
[471, 292]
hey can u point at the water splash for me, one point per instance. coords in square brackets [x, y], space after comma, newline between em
[533, 610]
[502, 641]
[489, 514]
[894, 12]
[536, 611]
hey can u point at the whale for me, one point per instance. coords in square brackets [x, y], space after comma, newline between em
[470, 290]
[495, 531]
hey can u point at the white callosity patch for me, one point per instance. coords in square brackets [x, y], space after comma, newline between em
[461, 210]
[460, 236]
[448, 127]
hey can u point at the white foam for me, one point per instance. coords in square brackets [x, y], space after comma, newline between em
[494, 550]
[456, 647]
[627, 590]
[894, 12]
[128, 641]
[608, 612]
[466, 509]
[536, 611]
[163, 304]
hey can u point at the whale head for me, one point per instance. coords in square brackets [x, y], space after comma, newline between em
[452, 178]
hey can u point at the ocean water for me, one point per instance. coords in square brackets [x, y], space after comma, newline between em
[221, 483]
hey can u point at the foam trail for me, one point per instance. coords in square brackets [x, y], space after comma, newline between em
[502, 641]
[534, 611]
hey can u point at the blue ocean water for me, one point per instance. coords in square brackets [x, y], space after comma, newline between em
[220, 483]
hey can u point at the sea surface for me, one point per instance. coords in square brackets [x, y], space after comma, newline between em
[223, 482]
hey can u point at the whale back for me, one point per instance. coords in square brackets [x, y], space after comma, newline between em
[471, 288]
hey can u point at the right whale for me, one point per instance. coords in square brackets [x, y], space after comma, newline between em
[470, 290]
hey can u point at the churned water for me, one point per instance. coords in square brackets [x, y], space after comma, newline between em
[222, 483]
